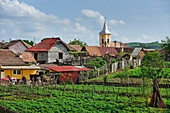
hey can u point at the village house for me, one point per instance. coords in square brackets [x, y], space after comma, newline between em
[76, 47]
[17, 46]
[66, 73]
[50, 50]
[95, 51]
[138, 53]
[11, 65]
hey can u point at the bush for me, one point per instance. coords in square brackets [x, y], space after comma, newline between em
[98, 63]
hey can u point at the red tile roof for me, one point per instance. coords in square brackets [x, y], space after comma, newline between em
[127, 50]
[45, 45]
[108, 50]
[67, 68]
[92, 50]
[76, 47]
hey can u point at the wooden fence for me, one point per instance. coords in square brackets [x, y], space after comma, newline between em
[110, 68]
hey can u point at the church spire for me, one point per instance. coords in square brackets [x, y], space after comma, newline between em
[105, 29]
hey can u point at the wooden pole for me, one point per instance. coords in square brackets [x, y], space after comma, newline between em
[117, 95]
[64, 89]
[77, 91]
[132, 97]
[106, 94]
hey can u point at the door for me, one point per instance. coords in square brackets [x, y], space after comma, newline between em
[2, 74]
[36, 56]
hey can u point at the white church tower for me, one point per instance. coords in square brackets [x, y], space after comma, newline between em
[105, 36]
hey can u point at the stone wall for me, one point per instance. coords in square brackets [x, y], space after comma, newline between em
[43, 55]
[53, 53]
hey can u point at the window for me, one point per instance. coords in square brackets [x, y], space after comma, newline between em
[16, 72]
[103, 41]
[60, 55]
[107, 40]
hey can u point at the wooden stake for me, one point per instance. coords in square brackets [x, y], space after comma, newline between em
[73, 86]
[113, 90]
[132, 97]
[106, 94]
[117, 95]
[77, 91]
[92, 93]
[64, 89]
[167, 93]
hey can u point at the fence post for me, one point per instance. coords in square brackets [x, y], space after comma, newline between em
[117, 95]
[132, 97]
[77, 91]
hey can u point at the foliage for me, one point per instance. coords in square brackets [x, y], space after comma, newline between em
[165, 44]
[99, 62]
[78, 42]
[29, 42]
[84, 103]
[152, 64]
[152, 45]
[113, 60]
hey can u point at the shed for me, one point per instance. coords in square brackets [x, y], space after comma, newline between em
[67, 73]
[138, 53]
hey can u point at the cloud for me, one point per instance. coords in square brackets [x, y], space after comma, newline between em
[2, 31]
[100, 18]
[22, 20]
[124, 38]
[144, 38]
[19, 11]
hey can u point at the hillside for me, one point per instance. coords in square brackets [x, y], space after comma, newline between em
[152, 45]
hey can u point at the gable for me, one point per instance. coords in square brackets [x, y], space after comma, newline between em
[18, 47]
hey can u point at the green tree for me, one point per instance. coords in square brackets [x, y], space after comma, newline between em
[165, 44]
[29, 42]
[78, 42]
[151, 67]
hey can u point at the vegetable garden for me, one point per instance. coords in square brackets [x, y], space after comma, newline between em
[78, 98]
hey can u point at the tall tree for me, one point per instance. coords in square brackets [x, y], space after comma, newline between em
[29, 42]
[78, 42]
[152, 66]
[165, 44]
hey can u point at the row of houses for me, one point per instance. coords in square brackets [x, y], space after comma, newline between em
[18, 59]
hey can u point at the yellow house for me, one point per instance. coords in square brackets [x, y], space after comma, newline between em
[18, 71]
[11, 64]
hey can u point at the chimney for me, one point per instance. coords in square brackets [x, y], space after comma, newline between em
[121, 49]
[3, 41]
[115, 44]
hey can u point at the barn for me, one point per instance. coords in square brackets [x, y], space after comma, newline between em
[66, 73]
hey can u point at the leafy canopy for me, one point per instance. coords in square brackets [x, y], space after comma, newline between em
[29, 42]
[152, 64]
[78, 42]
[165, 44]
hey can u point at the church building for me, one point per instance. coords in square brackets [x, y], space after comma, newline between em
[105, 39]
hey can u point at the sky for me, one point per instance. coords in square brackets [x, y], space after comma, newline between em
[128, 20]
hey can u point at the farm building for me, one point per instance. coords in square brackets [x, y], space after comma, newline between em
[138, 53]
[50, 50]
[11, 65]
[67, 73]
